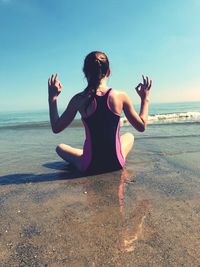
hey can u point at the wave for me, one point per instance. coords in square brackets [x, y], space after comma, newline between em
[181, 116]
[169, 118]
[160, 119]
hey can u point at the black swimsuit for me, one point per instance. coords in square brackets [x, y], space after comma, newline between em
[102, 148]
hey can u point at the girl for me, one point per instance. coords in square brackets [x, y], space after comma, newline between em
[100, 108]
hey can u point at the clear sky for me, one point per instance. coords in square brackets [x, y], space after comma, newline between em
[159, 38]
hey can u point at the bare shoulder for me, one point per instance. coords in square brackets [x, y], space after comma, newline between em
[120, 94]
[78, 99]
[78, 96]
[116, 101]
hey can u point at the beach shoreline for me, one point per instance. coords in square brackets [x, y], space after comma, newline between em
[146, 214]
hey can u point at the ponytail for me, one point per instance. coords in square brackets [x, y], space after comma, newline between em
[96, 65]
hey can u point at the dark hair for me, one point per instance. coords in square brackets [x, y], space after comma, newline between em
[96, 66]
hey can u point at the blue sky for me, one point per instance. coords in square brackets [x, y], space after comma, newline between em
[156, 38]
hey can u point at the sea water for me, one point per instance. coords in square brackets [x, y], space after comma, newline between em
[27, 144]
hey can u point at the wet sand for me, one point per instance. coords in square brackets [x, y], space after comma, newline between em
[145, 215]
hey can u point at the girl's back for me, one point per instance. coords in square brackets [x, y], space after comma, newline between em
[102, 149]
[115, 102]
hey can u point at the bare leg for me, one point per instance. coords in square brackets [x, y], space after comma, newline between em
[70, 154]
[127, 141]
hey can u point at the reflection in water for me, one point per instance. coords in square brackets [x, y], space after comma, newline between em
[129, 242]
[133, 226]
[121, 191]
[117, 214]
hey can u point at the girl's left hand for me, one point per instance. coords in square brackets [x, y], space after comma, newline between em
[143, 89]
[54, 87]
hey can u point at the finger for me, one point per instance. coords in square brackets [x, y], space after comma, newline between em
[147, 84]
[139, 85]
[52, 79]
[144, 81]
[49, 82]
[56, 77]
[57, 83]
[60, 85]
[150, 85]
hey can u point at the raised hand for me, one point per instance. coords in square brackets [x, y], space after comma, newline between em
[54, 87]
[143, 89]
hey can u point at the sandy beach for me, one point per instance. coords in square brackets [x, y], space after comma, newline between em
[146, 215]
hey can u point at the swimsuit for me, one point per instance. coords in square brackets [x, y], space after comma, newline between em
[102, 147]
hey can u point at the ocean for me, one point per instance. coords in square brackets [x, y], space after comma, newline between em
[27, 142]
[165, 113]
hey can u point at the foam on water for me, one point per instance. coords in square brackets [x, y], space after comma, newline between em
[189, 116]
[174, 117]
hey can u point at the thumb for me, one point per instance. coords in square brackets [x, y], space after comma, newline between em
[137, 88]
[60, 85]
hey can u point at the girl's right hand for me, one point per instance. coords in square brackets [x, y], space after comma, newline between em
[54, 87]
[143, 89]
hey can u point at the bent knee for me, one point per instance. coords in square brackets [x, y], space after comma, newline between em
[59, 148]
[130, 137]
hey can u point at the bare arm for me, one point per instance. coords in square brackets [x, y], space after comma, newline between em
[58, 124]
[139, 122]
